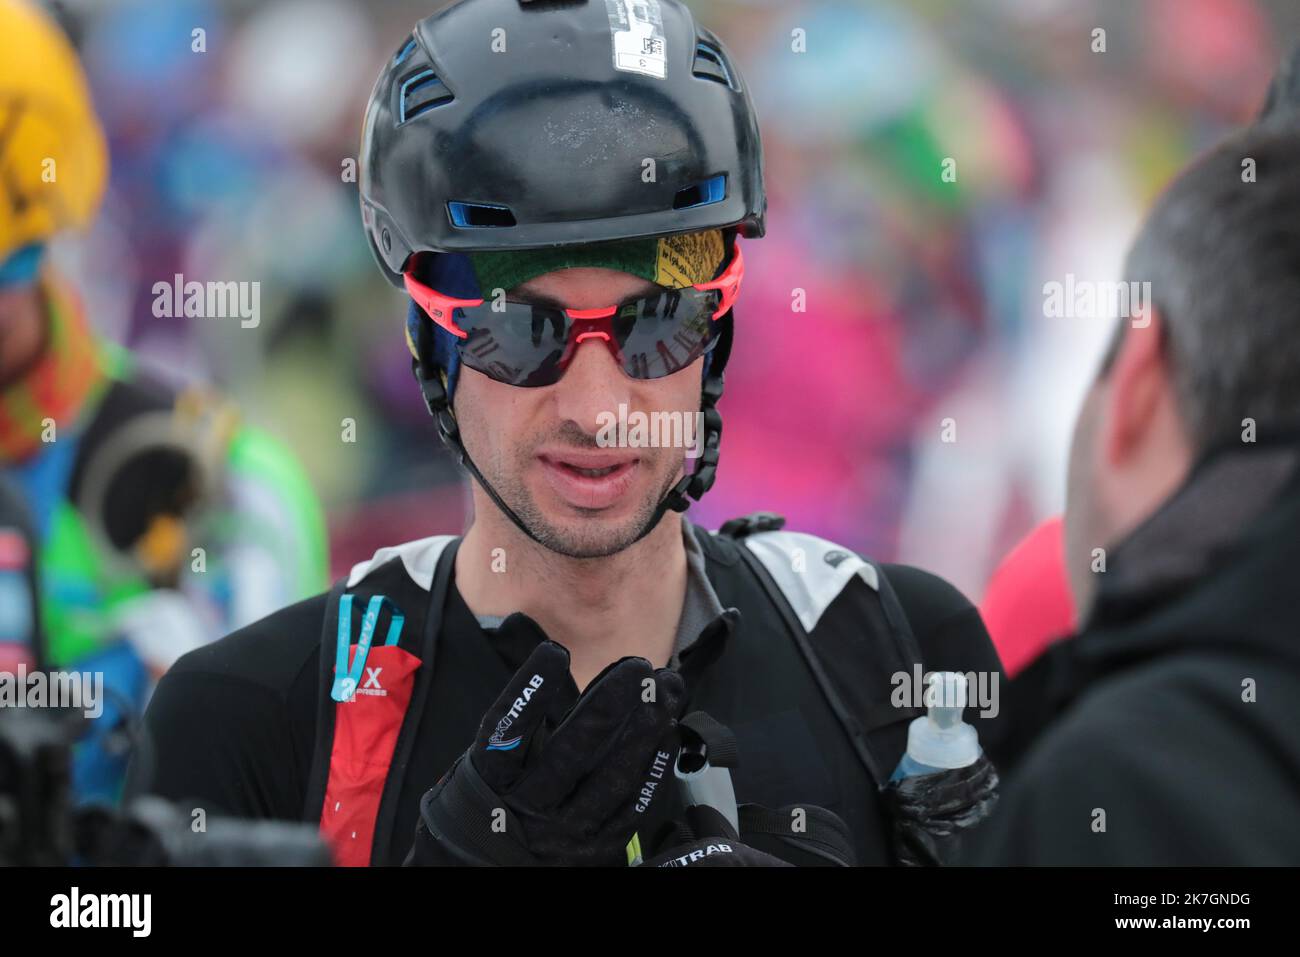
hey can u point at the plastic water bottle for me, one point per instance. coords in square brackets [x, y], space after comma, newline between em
[941, 740]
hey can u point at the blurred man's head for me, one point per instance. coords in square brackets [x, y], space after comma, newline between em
[53, 160]
[1221, 250]
[53, 166]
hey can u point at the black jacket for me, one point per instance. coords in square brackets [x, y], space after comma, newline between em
[234, 726]
[1173, 719]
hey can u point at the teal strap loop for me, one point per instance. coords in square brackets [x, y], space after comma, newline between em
[347, 679]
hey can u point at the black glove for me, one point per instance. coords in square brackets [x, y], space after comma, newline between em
[715, 852]
[934, 812]
[715, 845]
[555, 777]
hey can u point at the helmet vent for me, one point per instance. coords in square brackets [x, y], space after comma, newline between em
[478, 215]
[404, 52]
[710, 64]
[420, 93]
[712, 190]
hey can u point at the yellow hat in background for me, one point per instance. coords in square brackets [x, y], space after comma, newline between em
[53, 158]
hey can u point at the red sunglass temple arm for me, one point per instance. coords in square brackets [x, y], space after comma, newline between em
[438, 306]
[728, 283]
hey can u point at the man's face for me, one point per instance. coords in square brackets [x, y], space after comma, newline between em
[1129, 454]
[538, 447]
[22, 329]
[1086, 523]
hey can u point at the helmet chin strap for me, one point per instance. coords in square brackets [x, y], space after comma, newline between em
[692, 486]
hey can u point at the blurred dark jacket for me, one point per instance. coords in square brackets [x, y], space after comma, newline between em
[1168, 731]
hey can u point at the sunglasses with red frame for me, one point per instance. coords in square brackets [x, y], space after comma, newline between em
[531, 344]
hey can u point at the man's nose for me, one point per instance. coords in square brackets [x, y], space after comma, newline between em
[592, 386]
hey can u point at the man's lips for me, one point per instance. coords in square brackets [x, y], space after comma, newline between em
[589, 479]
[587, 458]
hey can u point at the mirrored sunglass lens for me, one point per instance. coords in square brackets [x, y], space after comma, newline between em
[519, 345]
[660, 335]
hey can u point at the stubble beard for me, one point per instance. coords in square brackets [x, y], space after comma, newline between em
[588, 535]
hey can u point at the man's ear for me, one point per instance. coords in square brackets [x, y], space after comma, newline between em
[1139, 381]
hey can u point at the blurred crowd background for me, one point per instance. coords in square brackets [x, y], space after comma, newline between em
[924, 298]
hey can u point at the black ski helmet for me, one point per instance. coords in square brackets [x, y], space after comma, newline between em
[523, 124]
[507, 124]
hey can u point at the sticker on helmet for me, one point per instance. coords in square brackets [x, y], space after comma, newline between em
[637, 29]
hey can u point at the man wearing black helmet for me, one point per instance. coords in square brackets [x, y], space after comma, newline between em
[562, 189]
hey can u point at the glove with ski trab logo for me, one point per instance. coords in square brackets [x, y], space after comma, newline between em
[716, 852]
[554, 777]
[714, 844]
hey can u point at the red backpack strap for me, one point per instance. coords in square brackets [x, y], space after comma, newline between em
[363, 743]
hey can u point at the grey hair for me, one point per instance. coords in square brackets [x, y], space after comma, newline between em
[1222, 255]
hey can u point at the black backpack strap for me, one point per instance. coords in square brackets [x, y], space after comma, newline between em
[890, 647]
[718, 740]
[386, 819]
[803, 834]
[318, 776]
[738, 528]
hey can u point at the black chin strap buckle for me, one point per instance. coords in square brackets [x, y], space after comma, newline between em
[706, 469]
[435, 400]
[701, 479]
